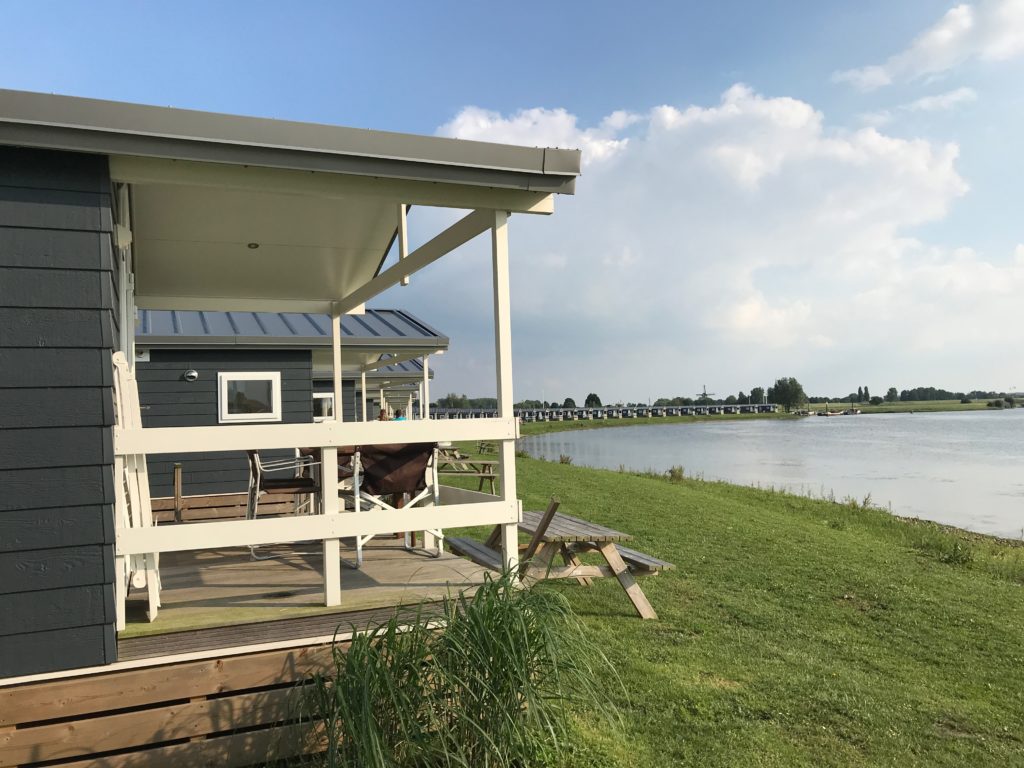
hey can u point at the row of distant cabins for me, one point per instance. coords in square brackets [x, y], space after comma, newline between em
[604, 412]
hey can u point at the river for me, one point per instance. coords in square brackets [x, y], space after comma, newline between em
[960, 468]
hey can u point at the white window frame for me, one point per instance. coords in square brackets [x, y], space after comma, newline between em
[223, 377]
[324, 396]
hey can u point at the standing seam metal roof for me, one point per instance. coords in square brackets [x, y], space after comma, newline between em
[377, 327]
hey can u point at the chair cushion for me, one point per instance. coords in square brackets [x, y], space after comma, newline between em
[289, 485]
[395, 468]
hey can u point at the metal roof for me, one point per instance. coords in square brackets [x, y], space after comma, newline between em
[116, 128]
[377, 328]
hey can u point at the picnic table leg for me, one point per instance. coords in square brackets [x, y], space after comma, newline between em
[539, 567]
[621, 570]
[571, 558]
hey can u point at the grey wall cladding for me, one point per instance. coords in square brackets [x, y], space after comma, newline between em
[168, 400]
[57, 329]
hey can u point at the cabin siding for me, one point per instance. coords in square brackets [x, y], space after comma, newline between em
[167, 400]
[57, 330]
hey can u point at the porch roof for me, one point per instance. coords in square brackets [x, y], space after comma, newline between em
[376, 328]
[224, 212]
[367, 339]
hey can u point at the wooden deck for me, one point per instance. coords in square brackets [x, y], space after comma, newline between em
[218, 588]
[217, 680]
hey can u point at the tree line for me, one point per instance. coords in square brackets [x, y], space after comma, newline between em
[787, 392]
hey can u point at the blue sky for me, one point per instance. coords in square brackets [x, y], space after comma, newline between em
[825, 190]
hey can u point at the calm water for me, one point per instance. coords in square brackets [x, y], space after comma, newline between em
[964, 469]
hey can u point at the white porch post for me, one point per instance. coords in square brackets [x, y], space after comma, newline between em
[403, 237]
[329, 477]
[408, 407]
[383, 405]
[425, 392]
[362, 392]
[503, 369]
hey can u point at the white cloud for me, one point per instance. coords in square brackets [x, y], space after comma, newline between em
[942, 101]
[876, 119]
[541, 128]
[729, 244]
[990, 30]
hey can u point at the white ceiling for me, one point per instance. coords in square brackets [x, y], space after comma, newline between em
[193, 242]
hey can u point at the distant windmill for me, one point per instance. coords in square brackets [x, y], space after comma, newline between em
[705, 395]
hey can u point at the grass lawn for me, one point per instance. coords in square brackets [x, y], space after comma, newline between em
[796, 632]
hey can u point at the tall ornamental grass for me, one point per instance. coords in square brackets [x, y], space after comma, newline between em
[492, 687]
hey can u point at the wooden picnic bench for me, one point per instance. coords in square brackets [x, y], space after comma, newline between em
[553, 534]
[454, 463]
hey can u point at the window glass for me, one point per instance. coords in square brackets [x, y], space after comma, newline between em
[250, 396]
[323, 406]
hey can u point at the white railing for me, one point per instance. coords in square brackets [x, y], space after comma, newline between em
[457, 509]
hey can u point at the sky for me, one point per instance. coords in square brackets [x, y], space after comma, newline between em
[826, 190]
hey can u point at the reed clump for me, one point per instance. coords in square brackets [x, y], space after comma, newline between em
[494, 686]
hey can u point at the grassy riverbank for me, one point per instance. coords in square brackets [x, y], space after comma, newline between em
[913, 406]
[796, 632]
[917, 406]
[545, 427]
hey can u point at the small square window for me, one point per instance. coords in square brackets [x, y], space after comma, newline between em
[246, 397]
[323, 406]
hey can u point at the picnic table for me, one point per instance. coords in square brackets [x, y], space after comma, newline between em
[553, 534]
[452, 462]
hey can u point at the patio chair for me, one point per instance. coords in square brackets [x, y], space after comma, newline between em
[132, 503]
[385, 475]
[300, 483]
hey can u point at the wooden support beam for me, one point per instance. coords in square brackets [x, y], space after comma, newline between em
[459, 233]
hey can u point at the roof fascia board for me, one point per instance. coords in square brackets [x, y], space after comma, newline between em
[223, 304]
[148, 170]
[416, 348]
[65, 122]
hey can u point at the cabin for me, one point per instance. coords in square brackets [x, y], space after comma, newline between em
[186, 360]
[109, 209]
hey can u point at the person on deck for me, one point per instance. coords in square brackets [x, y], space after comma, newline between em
[399, 415]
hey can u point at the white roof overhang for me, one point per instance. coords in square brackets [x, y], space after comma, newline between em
[240, 213]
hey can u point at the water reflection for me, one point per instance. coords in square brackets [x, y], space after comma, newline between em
[957, 468]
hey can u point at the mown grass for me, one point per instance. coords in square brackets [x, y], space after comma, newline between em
[795, 631]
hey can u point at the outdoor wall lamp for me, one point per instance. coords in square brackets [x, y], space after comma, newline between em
[190, 375]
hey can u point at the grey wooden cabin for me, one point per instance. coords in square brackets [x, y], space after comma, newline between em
[105, 207]
[182, 355]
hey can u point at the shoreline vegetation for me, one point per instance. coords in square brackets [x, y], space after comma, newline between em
[794, 631]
